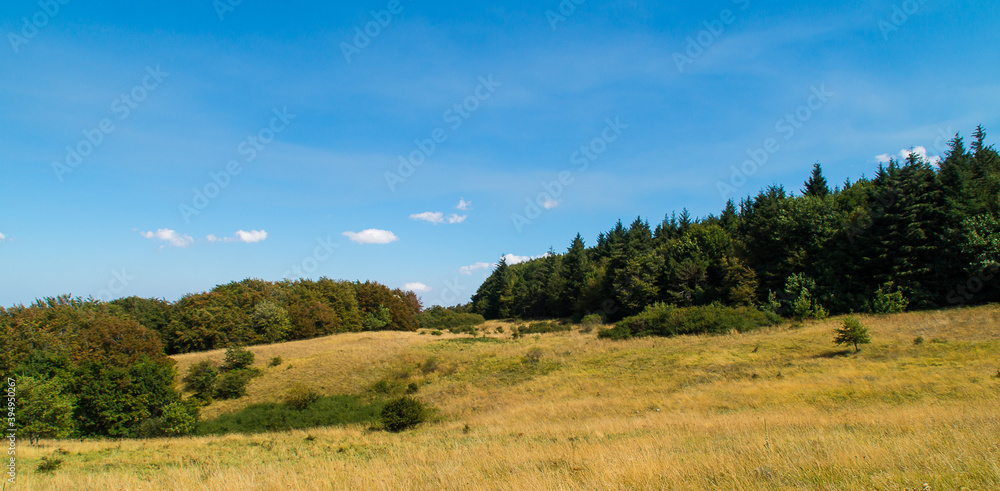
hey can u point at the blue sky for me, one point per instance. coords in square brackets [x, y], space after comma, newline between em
[161, 149]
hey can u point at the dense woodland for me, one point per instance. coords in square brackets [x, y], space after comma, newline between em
[90, 368]
[915, 234]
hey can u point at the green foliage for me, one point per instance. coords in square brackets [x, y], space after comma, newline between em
[544, 328]
[237, 358]
[300, 397]
[438, 317]
[403, 413]
[325, 411]
[412, 388]
[200, 379]
[852, 333]
[270, 321]
[887, 301]
[800, 303]
[114, 400]
[233, 384]
[667, 320]
[178, 419]
[275, 361]
[375, 321]
[45, 409]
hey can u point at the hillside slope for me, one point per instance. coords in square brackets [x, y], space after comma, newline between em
[783, 408]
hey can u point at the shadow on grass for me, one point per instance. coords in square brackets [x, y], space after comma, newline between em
[835, 353]
[327, 411]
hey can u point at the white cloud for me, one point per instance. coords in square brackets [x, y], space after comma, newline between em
[170, 236]
[550, 203]
[463, 205]
[514, 259]
[2, 237]
[417, 287]
[372, 236]
[434, 217]
[251, 237]
[437, 217]
[473, 267]
[905, 154]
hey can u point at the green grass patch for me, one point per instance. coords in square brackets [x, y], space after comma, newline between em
[326, 411]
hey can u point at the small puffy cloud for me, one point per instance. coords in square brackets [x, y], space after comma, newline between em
[514, 259]
[3, 237]
[434, 217]
[473, 267]
[463, 205]
[169, 236]
[550, 203]
[417, 287]
[251, 237]
[454, 218]
[904, 154]
[371, 236]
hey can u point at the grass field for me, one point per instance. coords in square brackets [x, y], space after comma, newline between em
[776, 409]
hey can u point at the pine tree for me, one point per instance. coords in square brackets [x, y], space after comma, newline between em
[816, 185]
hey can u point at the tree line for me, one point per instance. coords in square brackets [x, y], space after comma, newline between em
[916, 235]
[92, 368]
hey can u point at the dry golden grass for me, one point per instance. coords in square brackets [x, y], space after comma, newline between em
[781, 409]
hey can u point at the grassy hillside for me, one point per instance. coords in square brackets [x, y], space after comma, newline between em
[778, 409]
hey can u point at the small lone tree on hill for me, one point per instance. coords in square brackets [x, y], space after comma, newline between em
[852, 332]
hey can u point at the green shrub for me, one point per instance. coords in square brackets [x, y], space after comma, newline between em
[852, 332]
[544, 328]
[233, 384]
[918, 340]
[430, 365]
[300, 397]
[177, 419]
[888, 302]
[412, 388]
[667, 320]
[237, 358]
[436, 333]
[275, 361]
[403, 413]
[326, 411]
[200, 379]
[438, 317]
[592, 320]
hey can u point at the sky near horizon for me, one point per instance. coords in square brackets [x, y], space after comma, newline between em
[161, 149]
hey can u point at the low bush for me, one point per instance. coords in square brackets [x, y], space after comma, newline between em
[300, 397]
[667, 320]
[275, 361]
[233, 384]
[237, 358]
[438, 317]
[200, 379]
[544, 328]
[325, 411]
[403, 413]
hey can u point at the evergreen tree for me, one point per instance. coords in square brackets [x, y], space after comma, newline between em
[816, 185]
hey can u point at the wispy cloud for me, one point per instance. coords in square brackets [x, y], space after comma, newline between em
[474, 267]
[417, 287]
[434, 217]
[171, 237]
[3, 237]
[371, 236]
[251, 237]
[903, 154]
[463, 205]
[437, 217]
[550, 203]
